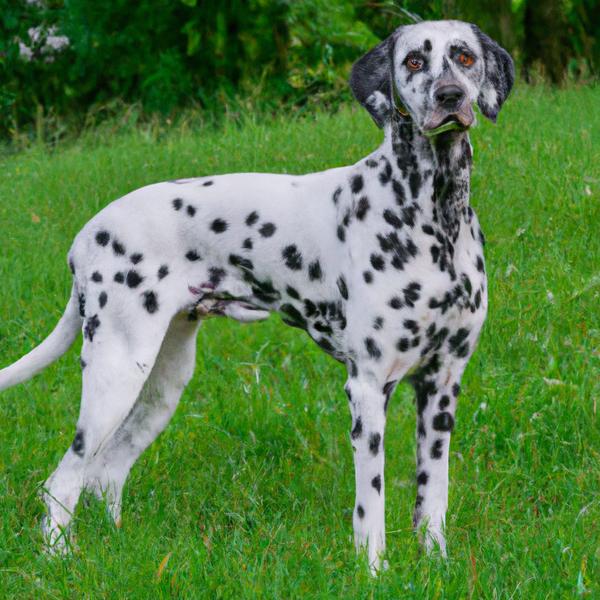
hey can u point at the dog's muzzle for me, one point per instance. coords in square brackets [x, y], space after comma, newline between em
[452, 111]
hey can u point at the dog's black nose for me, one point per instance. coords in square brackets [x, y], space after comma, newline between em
[449, 96]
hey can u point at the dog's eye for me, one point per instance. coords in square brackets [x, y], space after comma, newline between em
[466, 60]
[414, 63]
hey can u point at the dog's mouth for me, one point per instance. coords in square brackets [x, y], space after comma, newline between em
[440, 121]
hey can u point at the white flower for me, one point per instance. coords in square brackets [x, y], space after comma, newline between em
[46, 39]
[35, 33]
[25, 52]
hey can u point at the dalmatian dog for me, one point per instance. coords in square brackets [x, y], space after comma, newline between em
[380, 262]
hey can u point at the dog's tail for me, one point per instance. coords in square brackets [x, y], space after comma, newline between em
[53, 347]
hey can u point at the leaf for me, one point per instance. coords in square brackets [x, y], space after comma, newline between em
[581, 589]
[552, 382]
[161, 567]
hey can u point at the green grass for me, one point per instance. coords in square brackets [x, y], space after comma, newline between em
[249, 492]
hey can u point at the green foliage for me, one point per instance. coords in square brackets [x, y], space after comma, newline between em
[166, 54]
[249, 491]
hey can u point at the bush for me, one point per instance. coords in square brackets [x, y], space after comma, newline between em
[167, 54]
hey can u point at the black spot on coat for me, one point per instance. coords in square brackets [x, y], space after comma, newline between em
[192, 256]
[392, 218]
[292, 292]
[292, 257]
[81, 300]
[325, 344]
[443, 421]
[91, 326]
[216, 275]
[411, 325]
[150, 302]
[293, 316]
[314, 271]
[436, 449]
[240, 261]
[396, 303]
[336, 195]
[422, 478]
[102, 238]
[362, 208]
[376, 483]
[133, 279]
[252, 218]
[403, 344]
[78, 445]
[341, 283]
[372, 348]
[267, 230]
[118, 248]
[374, 441]
[377, 262]
[356, 184]
[218, 226]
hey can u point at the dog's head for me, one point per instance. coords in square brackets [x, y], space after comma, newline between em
[434, 71]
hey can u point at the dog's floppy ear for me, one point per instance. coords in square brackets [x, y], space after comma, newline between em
[371, 80]
[499, 76]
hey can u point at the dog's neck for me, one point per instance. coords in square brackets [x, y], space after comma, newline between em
[436, 170]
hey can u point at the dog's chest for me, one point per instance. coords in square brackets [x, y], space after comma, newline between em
[415, 281]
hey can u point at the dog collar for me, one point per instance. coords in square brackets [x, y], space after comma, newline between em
[398, 104]
[402, 110]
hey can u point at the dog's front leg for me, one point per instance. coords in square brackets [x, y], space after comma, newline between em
[367, 405]
[437, 394]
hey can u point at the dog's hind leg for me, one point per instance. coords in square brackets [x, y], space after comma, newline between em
[118, 356]
[173, 369]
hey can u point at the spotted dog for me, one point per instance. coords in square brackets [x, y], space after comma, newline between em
[381, 263]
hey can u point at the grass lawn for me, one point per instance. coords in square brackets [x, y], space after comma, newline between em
[249, 492]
